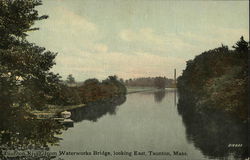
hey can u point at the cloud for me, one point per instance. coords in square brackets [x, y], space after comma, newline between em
[187, 44]
[70, 23]
[87, 50]
[101, 62]
[147, 40]
[66, 30]
[101, 48]
[213, 37]
[144, 35]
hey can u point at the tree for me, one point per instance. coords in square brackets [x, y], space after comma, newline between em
[17, 18]
[122, 81]
[25, 77]
[160, 82]
[241, 46]
[71, 79]
[113, 78]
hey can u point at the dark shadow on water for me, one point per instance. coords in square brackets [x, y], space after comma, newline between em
[95, 111]
[159, 95]
[212, 132]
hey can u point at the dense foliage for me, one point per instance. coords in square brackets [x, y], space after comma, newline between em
[70, 79]
[218, 79]
[92, 90]
[160, 82]
[25, 79]
[17, 18]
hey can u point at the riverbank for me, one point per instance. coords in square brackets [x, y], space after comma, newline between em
[131, 90]
[218, 80]
[139, 89]
[53, 110]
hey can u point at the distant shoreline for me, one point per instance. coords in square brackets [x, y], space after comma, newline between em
[131, 90]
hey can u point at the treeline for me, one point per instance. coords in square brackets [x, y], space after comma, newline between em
[91, 91]
[159, 82]
[217, 79]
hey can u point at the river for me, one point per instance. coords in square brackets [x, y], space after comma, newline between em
[144, 126]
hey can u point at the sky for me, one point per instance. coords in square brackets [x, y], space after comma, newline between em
[135, 38]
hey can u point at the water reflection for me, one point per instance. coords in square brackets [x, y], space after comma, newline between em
[159, 96]
[175, 97]
[213, 132]
[210, 132]
[95, 111]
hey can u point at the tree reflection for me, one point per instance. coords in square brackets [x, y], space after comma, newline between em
[95, 111]
[20, 131]
[212, 132]
[159, 95]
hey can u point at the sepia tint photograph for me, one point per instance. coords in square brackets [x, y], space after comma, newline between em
[124, 80]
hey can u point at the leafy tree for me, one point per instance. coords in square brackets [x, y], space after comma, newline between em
[241, 46]
[92, 90]
[71, 79]
[160, 82]
[66, 96]
[17, 18]
[91, 81]
[113, 78]
[25, 79]
[122, 81]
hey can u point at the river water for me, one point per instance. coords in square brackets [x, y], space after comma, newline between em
[141, 126]
[147, 123]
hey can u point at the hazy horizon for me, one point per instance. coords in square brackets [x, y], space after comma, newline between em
[131, 39]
